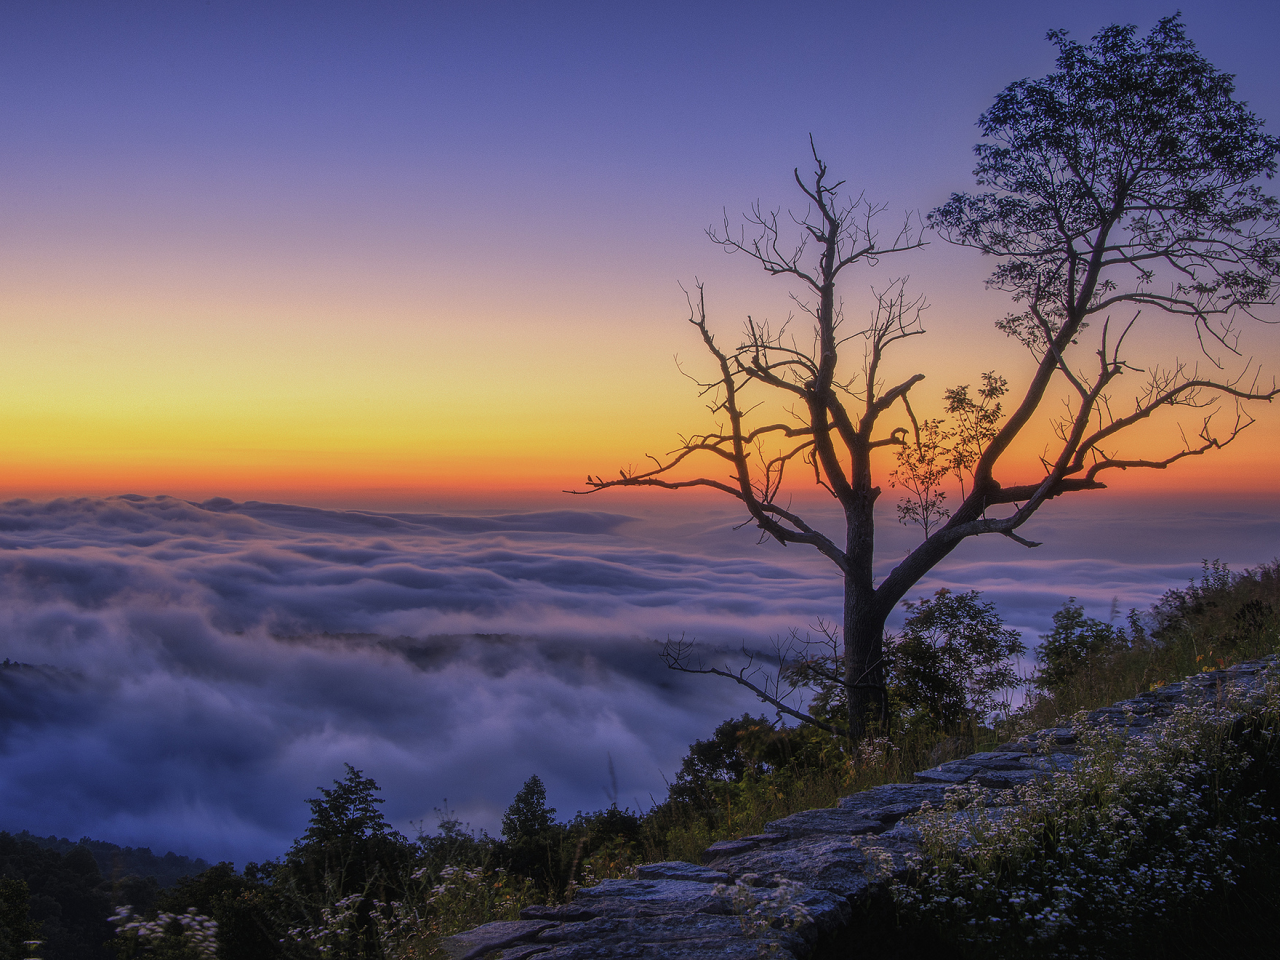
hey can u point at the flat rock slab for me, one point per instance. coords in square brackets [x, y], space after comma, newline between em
[821, 862]
[492, 936]
[834, 820]
[1006, 779]
[679, 870]
[681, 938]
[649, 898]
[894, 795]
[729, 848]
[950, 774]
[998, 760]
[1052, 762]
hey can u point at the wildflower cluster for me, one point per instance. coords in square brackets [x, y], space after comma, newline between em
[872, 751]
[459, 897]
[1140, 827]
[761, 910]
[452, 900]
[198, 933]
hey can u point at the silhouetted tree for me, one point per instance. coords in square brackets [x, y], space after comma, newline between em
[1074, 641]
[952, 659]
[1124, 181]
[723, 758]
[532, 835]
[349, 850]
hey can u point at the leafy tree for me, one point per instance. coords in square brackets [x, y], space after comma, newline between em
[528, 815]
[348, 850]
[1075, 641]
[347, 813]
[1122, 184]
[724, 758]
[238, 903]
[952, 659]
[533, 837]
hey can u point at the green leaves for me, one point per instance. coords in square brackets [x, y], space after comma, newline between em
[952, 659]
[528, 817]
[347, 812]
[1131, 159]
[1076, 640]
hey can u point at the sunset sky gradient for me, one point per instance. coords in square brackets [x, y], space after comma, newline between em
[414, 255]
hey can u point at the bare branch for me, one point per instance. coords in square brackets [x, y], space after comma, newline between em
[678, 655]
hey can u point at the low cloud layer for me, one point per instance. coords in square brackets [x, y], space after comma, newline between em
[199, 669]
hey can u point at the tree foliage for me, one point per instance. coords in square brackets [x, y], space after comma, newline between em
[533, 837]
[1132, 158]
[735, 750]
[952, 660]
[1075, 641]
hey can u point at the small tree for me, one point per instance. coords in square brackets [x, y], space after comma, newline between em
[349, 850]
[1075, 641]
[1123, 182]
[533, 837]
[952, 660]
[719, 760]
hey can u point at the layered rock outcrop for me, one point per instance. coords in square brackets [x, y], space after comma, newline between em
[825, 861]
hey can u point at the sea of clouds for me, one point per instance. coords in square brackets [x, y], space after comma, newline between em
[199, 669]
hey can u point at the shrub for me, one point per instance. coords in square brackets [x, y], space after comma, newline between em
[1095, 860]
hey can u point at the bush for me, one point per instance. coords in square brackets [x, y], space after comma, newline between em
[951, 661]
[1102, 861]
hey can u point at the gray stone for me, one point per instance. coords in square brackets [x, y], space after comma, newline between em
[997, 760]
[1006, 779]
[902, 833]
[1052, 762]
[955, 772]
[890, 813]
[823, 862]
[559, 913]
[826, 820]
[727, 848]
[679, 870]
[521, 952]
[889, 794]
[649, 898]
[492, 936]
[686, 938]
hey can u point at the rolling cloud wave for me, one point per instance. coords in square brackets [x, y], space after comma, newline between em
[196, 670]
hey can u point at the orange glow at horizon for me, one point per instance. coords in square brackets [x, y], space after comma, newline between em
[332, 383]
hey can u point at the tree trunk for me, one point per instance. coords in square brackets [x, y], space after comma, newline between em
[864, 674]
[864, 679]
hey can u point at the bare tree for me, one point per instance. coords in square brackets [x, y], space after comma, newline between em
[1124, 181]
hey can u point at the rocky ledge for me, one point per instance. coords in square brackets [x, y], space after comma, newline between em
[825, 860]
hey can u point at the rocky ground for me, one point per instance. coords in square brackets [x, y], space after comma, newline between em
[814, 866]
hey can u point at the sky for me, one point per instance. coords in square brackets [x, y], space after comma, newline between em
[411, 253]
[311, 311]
